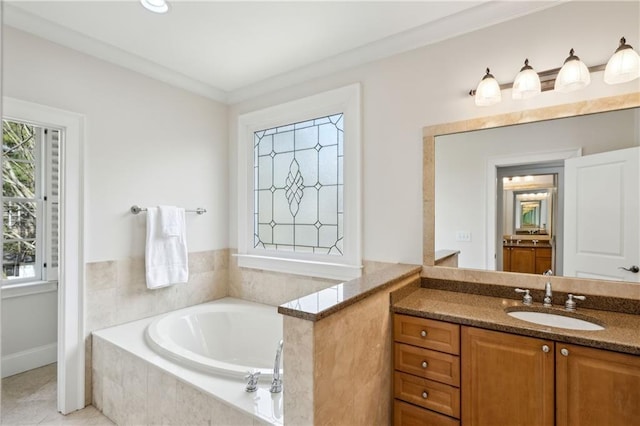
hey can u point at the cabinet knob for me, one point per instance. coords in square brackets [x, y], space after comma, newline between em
[564, 351]
[424, 364]
[425, 395]
[545, 348]
[423, 333]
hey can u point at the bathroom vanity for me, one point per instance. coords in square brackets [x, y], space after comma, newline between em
[461, 359]
[526, 257]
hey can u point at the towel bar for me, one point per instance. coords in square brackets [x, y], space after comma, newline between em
[137, 209]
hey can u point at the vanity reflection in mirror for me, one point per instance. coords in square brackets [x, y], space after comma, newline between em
[559, 194]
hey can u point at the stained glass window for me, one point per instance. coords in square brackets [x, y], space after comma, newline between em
[298, 186]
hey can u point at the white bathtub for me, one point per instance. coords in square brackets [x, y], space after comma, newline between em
[228, 337]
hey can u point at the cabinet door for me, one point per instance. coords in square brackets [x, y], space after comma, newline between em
[523, 259]
[506, 379]
[543, 260]
[506, 259]
[596, 387]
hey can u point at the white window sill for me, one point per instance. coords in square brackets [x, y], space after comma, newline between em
[26, 289]
[334, 271]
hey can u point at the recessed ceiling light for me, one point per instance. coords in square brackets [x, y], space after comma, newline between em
[157, 6]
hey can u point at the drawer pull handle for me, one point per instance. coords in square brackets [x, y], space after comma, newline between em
[424, 364]
[545, 348]
[425, 395]
[423, 333]
[564, 352]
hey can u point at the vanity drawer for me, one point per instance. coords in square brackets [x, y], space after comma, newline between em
[426, 333]
[438, 366]
[409, 415]
[435, 396]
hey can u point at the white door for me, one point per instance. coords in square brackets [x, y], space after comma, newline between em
[602, 215]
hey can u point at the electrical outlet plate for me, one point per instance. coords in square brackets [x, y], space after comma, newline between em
[463, 236]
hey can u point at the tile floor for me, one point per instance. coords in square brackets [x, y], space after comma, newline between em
[29, 398]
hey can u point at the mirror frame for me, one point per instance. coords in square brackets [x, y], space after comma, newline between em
[429, 133]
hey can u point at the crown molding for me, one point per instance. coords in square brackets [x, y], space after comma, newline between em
[24, 21]
[484, 15]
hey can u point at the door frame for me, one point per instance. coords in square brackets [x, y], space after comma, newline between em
[492, 197]
[556, 223]
[71, 345]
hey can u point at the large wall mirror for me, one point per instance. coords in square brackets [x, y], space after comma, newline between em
[555, 189]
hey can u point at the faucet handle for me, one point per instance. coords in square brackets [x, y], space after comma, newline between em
[252, 384]
[526, 299]
[570, 304]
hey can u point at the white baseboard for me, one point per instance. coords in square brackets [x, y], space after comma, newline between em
[28, 360]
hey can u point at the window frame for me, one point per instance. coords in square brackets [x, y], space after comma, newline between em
[344, 100]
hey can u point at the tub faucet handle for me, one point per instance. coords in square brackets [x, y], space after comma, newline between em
[252, 381]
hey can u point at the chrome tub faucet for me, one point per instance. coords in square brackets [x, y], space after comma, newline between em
[276, 384]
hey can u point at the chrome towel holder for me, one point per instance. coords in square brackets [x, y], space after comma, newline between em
[137, 209]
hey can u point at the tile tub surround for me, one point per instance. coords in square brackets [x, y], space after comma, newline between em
[134, 385]
[270, 288]
[337, 357]
[116, 292]
[620, 333]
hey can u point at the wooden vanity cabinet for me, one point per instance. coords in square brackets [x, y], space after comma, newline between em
[596, 387]
[531, 260]
[506, 379]
[518, 380]
[478, 377]
[426, 378]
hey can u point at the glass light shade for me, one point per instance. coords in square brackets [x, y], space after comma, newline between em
[488, 91]
[526, 84]
[623, 66]
[157, 6]
[573, 75]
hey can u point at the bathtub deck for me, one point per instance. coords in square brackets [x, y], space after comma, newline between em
[125, 344]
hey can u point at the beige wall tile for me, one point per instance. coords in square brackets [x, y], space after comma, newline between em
[352, 364]
[101, 275]
[298, 361]
[162, 391]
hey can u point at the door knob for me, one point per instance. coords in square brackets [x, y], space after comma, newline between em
[633, 268]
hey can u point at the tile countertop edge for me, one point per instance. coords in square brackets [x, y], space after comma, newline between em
[357, 289]
[599, 339]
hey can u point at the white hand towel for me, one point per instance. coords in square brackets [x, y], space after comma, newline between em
[165, 256]
[170, 220]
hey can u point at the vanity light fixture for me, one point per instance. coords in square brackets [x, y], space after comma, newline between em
[623, 66]
[573, 75]
[527, 83]
[157, 6]
[488, 91]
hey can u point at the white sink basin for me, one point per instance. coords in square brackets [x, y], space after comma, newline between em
[555, 320]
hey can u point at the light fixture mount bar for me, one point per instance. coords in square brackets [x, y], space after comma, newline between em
[547, 79]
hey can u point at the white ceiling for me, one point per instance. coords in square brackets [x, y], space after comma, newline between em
[233, 50]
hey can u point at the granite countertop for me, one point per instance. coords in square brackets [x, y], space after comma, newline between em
[323, 303]
[526, 243]
[621, 331]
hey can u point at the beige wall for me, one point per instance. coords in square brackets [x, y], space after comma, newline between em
[429, 85]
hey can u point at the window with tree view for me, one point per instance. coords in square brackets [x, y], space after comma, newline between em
[299, 187]
[30, 201]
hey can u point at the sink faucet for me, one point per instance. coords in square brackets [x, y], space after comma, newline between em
[276, 384]
[548, 294]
